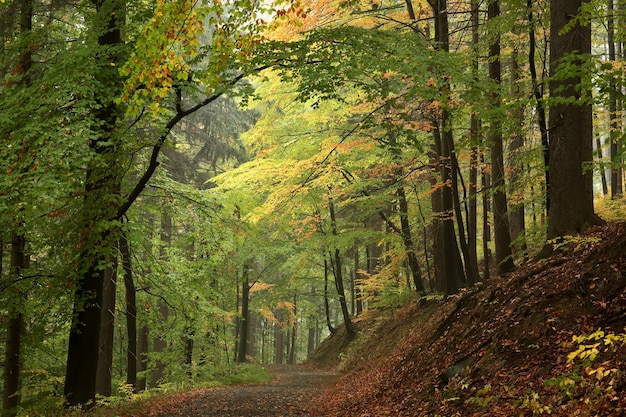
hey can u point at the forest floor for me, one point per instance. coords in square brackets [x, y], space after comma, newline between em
[289, 395]
[502, 348]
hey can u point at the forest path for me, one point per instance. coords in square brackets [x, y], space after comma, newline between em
[289, 395]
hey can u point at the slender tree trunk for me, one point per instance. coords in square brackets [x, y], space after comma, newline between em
[245, 314]
[485, 179]
[472, 218]
[517, 221]
[614, 132]
[293, 352]
[279, 339]
[331, 329]
[539, 101]
[605, 185]
[13, 345]
[502, 234]
[131, 314]
[335, 257]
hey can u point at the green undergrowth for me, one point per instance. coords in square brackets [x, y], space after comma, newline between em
[124, 402]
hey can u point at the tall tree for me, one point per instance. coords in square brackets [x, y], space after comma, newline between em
[18, 262]
[571, 127]
[502, 234]
[98, 207]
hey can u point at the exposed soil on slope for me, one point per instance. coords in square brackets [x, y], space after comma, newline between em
[289, 395]
[496, 350]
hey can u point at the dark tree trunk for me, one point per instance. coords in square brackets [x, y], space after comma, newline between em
[18, 263]
[571, 128]
[293, 352]
[279, 339]
[245, 315]
[335, 261]
[331, 329]
[448, 264]
[107, 331]
[131, 314]
[13, 345]
[485, 179]
[502, 233]
[614, 132]
[99, 207]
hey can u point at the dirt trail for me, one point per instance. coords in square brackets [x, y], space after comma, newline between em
[289, 395]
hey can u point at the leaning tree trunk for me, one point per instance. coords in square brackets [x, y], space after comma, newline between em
[336, 264]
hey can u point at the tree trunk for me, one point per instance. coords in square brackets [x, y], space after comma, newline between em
[614, 132]
[447, 256]
[571, 129]
[502, 233]
[293, 352]
[99, 208]
[517, 221]
[13, 345]
[245, 315]
[331, 329]
[107, 331]
[485, 180]
[539, 103]
[131, 314]
[279, 339]
[336, 264]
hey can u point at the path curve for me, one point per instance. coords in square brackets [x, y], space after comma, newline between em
[289, 395]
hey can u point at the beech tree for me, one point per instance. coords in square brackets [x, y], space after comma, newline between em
[571, 127]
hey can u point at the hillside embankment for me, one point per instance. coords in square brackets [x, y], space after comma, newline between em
[503, 348]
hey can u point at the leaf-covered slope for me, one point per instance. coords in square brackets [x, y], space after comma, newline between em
[500, 349]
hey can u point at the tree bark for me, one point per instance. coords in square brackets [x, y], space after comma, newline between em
[539, 101]
[107, 331]
[571, 128]
[13, 345]
[502, 234]
[245, 315]
[448, 264]
[614, 132]
[331, 329]
[132, 357]
[336, 264]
